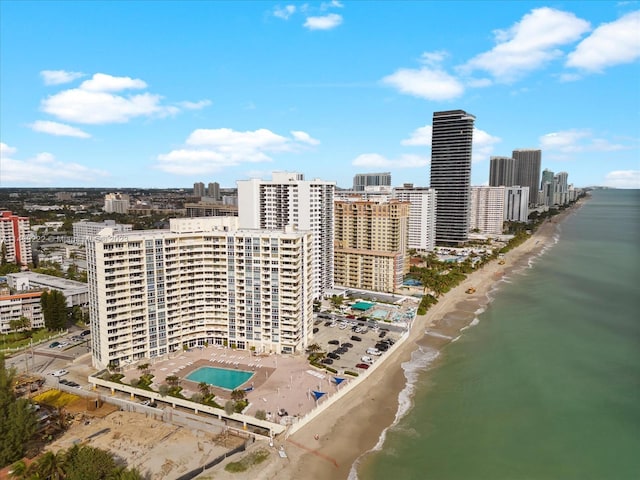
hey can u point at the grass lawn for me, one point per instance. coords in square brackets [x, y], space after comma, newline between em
[22, 339]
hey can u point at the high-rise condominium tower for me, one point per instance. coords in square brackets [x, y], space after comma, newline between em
[501, 172]
[363, 180]
[527, 171]
[451, 141]
[14, 237]
[289, 199]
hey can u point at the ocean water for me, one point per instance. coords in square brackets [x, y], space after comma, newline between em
[546, 385]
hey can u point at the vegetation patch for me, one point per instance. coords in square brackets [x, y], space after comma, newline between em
[55, 398]
[254, 458]
[349, 372]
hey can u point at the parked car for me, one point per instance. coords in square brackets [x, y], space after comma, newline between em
[326, 361]
[355, 338]
[351, 317]
[366, 359]
[54, 344]
[85, 333]
[364, 366]
[382, 334]
[333, 342]
[383, 347]
[341, 350]
[334, 356]
[347, 345]
[63, 381]
[316, 330]
[59, 373]
[63, 344]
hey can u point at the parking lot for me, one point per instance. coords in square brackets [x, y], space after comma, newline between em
[354, 336]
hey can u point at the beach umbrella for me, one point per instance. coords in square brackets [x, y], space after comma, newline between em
[317, 395]
[338, 380]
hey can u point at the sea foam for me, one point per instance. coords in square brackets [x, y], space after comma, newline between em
[420, 360]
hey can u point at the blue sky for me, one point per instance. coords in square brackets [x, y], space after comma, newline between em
[164, 94]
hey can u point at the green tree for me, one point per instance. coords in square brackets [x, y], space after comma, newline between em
[229, 407]
[51, 466]
[204, 389]
[173, 380]
[89, 462]
[22, 323]
[54, 309]
[3, 254]
[238, 395]
[17, 419]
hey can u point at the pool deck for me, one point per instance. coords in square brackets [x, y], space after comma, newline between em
[279, 381]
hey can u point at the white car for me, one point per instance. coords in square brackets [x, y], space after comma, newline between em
[63, 344]
[366, 359]
[59, 373]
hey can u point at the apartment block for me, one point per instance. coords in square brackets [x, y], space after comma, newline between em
[422, 216]
[516, 204]
[363, 180]
[371, 244]
[487, 210]
[290, 200]
[12, 307]
[15, 235]
[202, 281]
[116, 203]
[76, 293]
[83, 230]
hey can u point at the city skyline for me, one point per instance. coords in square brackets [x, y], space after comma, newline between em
[122, 95]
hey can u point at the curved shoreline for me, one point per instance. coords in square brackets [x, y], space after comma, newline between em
[332, 445]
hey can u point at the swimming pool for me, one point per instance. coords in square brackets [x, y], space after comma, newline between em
[220, 377]
[379, 314]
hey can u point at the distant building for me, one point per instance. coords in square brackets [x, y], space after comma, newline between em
[289, 199]
[501, 172]
[198, 189]
[527, 172]
[76, 293]
[12, 307]
[546, 188]
[213, 191]
[487, 209]
[516, 204]
[363, 180]
[422, 216]
[201, 282]
[116, 203]
[16, 238]
[371, 244]
[82, 230]
[452, 138]
[561, 188]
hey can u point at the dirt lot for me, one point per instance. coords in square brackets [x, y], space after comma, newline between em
[163, 451]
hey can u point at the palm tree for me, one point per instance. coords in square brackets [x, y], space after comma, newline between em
[51, 465]
[18, 470]
[204, 389]
[314, 347]
[173, 380]
[238, 395]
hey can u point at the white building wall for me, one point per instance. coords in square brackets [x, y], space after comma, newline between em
[153, 292]
[487, 209]
[288, 199]
[422, 216]
[516, 204]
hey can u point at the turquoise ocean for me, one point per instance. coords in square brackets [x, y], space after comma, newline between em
[546, 385]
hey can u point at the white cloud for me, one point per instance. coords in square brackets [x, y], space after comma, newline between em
[284, 12]
[101, 82]
[43, 169]
[374, 160]
[570, 77]
[57, 77]
[529, 44]
[304, 137]
[81, 106]
[331, 4]
[100, 100]
[433, 58]
[482, 146]
[195, 105]
[478, 82]
[210, 150]
[419, 137]
[610, 44]
[58, 129]
[562, 144]
[326, 22]
[6, 150]
[623, 179]
[428, 83]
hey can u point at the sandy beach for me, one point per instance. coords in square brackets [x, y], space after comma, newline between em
[328, 446]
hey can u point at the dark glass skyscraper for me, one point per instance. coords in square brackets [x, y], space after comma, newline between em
[528, 172]
[501, 172]
[451, 142]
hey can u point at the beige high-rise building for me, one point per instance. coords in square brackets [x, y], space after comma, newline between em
[15, 238]
[487, 209]
[153, 292]
[371, 244]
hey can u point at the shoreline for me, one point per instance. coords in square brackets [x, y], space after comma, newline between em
[347, 432]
